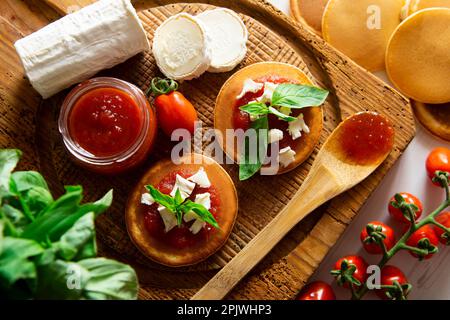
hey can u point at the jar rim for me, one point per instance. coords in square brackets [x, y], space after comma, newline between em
[70, 101]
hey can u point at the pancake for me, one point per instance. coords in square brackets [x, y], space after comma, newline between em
[418, 56]
[309, 12]
[225, 106]
[434, 117]
[352, 27]
[424, 4]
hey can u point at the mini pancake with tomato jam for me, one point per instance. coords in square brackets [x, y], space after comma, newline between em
[179, 215]
[279, 98]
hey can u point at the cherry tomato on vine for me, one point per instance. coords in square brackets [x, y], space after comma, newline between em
[389, 276]
[409, 200]
[317, 290]
[375, 232]
[444, 219]
[350, 269]
[173, 110]
[438, 160]
[426, 239]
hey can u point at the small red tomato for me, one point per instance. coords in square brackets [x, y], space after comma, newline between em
[438, 160]
[444, 219]
[377, 230]
[343, 267]
[390, 274]
[409, 199]
[317, 290]
[174, 111]
[424, 238]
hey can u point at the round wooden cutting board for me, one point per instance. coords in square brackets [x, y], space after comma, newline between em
[32, 126]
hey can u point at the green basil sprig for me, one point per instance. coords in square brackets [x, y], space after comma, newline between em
[47, 246]
[249, 165]
[180, 207]
[293, 96]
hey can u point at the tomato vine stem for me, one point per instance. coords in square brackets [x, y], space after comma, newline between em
[401, 243]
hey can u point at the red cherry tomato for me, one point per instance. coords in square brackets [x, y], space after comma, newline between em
[397, 214]
[444, 219]
[369, 242]
[317, 290]
[418, 240]
[438, 160]
[360, 273]
[174, 111]
[390, 274]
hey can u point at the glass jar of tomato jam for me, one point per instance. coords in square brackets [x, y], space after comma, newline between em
[107, 125]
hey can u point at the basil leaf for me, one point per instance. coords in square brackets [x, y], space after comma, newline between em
[26, 180]
[249, 164]
[62, 214]
[32, 190]
[178, 199]
[15, 217]
[16, 260]
[61, 280]
[179, 215]
[161, 198]
[281, 115]
[109, 279]
[2, 227]
[79, 241]
[8, 161]
[37, 200]
[298, 96]
[201, 212]
[255, 108]
[8, 228]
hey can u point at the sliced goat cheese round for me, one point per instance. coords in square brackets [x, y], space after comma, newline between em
[182, 47]
[228, 38]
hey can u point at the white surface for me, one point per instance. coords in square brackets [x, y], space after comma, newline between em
[429, 278]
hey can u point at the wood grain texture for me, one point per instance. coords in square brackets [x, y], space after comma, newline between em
[273, 36]
[68, 6]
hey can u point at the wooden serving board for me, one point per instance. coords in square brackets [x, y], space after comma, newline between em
[30, 124]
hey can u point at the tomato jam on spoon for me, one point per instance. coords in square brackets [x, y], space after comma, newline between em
[365, 138]
[107, 125]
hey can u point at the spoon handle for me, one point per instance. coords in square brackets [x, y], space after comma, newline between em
[319, 187]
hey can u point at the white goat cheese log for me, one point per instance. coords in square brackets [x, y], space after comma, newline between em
[77, 46]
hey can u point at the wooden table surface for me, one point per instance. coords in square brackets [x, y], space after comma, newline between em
[279, 277]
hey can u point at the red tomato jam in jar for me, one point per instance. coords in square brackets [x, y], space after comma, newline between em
[366, 138]
[107, 125]
[180, 237]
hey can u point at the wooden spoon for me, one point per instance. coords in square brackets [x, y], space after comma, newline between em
[352, 152]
